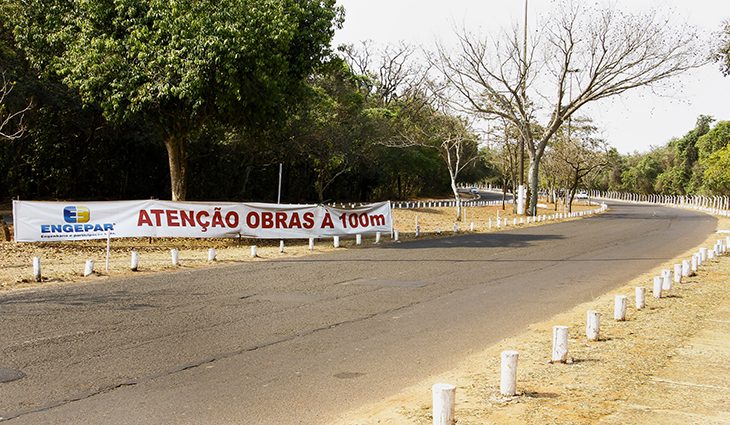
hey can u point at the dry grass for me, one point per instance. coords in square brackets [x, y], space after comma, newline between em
[603, 375]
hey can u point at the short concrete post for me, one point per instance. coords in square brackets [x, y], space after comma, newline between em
[593, 325]
[560, 344]
[311, 244]
[667, 280]
[657, 288]
[685, 268]
[418, 230]
[471, 226]
[693, 265]
[396, 235]
[456, 228]
[444, 400]
[508, 373]
[175, 257]
[211, 254]
[640, 297]
[336, 241]
[377, 237]
[619, 307]
[677, 273]
[37, 269]
[358, 239]
[254, 253]
[281, 246]
[88, 268]
[134, 262]
[703, 254]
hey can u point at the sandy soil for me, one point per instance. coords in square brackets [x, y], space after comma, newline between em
[63, 262]
[603, 376]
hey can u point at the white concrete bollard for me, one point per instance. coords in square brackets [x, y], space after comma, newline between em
[456, 228]
[693, 264]
[211, 254]
[88, 268]
[703, 255]
[560, 344]
[508, 373]
[444, 400]
[418, 231]
[396, 235]
[358, 239]
[134, 261]
[514, 222]
[677, 273]
[336, 241]
[710, 254]
[593, 325]
[281, 246]
[619, 307]
[377, 237]
[657, 288]
[37, 269]
[471, 226]
[175, 257]
[640, 297]
[311, 244]
[254, 254]
[685, 268]
[667, 280]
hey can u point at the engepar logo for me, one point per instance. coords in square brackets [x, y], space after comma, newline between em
[74, 214]
[77, 219]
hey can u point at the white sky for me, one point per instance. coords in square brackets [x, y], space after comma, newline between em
[633, 122]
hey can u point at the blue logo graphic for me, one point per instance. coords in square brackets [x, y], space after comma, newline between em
[74, 214]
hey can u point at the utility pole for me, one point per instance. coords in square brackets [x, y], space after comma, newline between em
[521, 192]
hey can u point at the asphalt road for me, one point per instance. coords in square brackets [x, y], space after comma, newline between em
[297, 341]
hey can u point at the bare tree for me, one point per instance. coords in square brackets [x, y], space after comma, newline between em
[581, 55]
[453, 137]
[11, 123]
[390, 73]
[580, 153]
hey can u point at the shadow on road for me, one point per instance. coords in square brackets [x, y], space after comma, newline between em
[490, 240]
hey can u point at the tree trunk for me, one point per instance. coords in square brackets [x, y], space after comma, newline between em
[573, 189]
[457, 198]
[504, 193]
[532, 176]
[178, 167]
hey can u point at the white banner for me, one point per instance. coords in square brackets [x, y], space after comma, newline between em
[36, 221]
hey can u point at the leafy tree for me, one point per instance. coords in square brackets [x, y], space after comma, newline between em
[640, 178]
[713, 140]
[180, 65]
[717, 172]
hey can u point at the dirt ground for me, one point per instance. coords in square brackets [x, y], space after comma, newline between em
[63, 262]
[619, 373]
